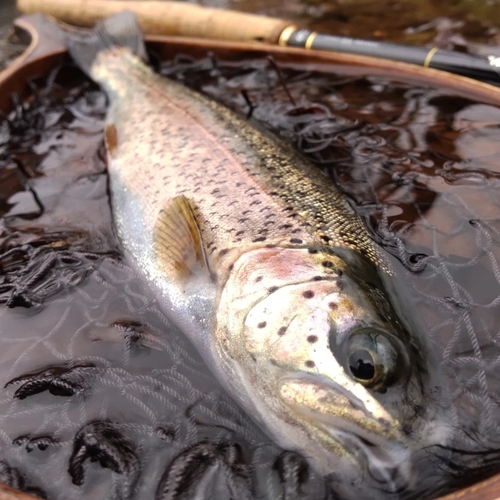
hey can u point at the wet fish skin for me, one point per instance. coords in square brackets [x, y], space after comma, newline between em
[282, 283]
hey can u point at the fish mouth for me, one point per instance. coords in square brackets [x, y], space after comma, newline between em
[343, 423]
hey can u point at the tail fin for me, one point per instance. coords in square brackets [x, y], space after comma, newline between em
[122, 29]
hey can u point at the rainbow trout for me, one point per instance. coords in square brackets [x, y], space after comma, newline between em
[267, 269]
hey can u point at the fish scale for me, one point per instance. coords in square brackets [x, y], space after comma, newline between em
[248, 187]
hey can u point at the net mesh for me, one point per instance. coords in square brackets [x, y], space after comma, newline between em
[96, 373]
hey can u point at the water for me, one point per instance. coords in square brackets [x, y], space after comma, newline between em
[419, 166]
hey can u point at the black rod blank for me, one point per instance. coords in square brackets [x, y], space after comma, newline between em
[485, 69]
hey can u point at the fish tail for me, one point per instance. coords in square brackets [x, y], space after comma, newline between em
[121, 30]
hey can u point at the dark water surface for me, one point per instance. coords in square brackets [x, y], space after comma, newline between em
[97, 373]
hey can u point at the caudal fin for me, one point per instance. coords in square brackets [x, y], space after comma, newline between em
[122, 30]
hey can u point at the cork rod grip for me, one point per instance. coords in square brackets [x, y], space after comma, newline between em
[166, 18]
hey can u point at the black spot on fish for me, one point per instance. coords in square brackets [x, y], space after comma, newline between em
[273, 362]
[312, 339]
[332, 306]
[260, 238]
[259, 278]
[310, 364]
[282, 331]
[262, 324]
[296, 241]
[318, 278]
[308, 294]
[340, 272]
[312, 250]
[272, 289]
[327, 264]
[340, 284]
[224, 251]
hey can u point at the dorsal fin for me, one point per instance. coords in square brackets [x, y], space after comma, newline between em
[178, 240]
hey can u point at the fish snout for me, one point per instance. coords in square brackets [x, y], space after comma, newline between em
[342, 423]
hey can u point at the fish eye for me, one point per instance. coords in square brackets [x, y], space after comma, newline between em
[374, 359]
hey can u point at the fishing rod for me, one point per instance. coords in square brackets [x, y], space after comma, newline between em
[485, 69]
[185, 19]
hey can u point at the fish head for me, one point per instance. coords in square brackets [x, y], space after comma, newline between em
[327, 363]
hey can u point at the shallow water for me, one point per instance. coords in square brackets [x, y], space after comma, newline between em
[71, 303]
[420, 168]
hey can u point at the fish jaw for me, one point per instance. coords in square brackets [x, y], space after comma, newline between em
[275, 316]
[348, 426]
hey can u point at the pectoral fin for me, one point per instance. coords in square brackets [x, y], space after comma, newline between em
[178, 240]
